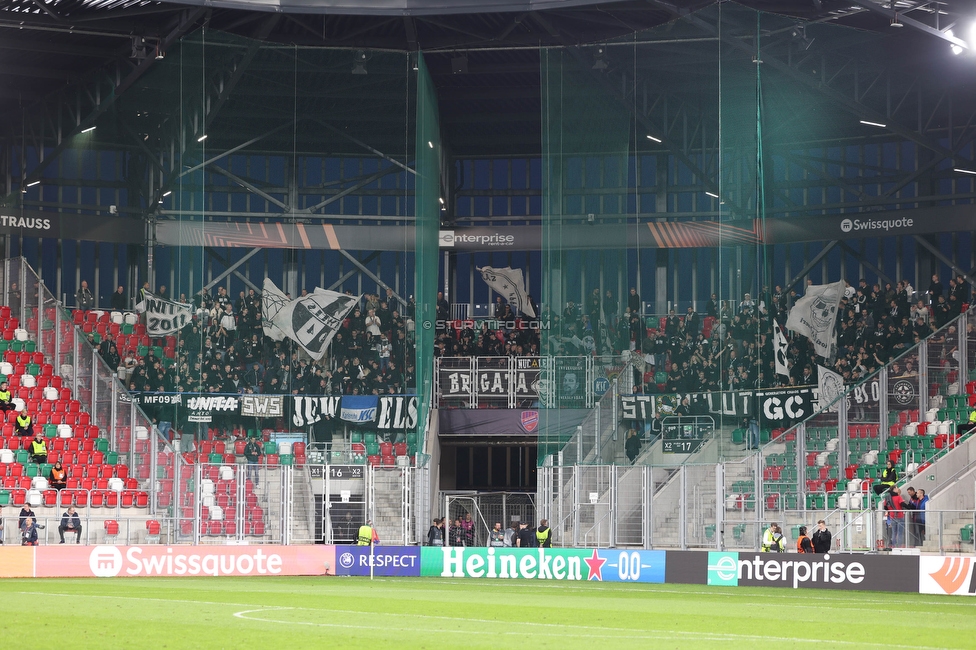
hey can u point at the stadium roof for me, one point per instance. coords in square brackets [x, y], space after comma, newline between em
[47, 46]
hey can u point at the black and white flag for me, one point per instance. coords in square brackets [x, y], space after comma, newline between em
[510, 283]
[831, 386]
[164, 317]
[815, 314]
[780, 346]
[312, 321]
[272, 301]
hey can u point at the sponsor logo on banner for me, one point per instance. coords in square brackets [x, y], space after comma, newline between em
[723, 569]
[386, 560]
[27, 223]
[262, 406]
[529, 421]
[828, 571]
[955, 576]
[358, 409]
[131, 561]
[544, 564]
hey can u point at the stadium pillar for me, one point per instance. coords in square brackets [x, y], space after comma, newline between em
[661, 281]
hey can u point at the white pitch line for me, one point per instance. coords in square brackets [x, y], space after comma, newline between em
[627, 633]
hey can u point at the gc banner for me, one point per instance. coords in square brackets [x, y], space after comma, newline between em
[386, 560]
[609, 565]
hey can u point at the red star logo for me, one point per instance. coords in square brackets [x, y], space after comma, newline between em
[595, 562]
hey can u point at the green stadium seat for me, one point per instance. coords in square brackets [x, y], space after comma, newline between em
[30, 346]
[21, 456]
[966, 533]
[710, 532]
[17, 346]
[4, 498]
[50, 431]
[33, 369]
[355, 437]
[739, 437]
[32, 470]
[270, 448]
[128, 329]
[287, 459]
[215, 459]
[739, 531]
[111, 457]
[101, 445]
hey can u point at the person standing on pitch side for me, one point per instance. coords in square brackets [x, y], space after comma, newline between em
[543, 536]
[821, 538]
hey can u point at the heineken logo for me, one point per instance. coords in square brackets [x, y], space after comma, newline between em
[608, 565]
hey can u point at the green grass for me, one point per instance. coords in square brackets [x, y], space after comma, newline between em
[437, 613]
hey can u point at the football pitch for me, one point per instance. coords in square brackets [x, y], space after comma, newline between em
[337, 612]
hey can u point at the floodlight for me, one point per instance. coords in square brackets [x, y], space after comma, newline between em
[651, 137]
[877, 124]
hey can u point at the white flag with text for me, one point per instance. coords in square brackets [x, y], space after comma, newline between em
[510, 284]
[313, 320]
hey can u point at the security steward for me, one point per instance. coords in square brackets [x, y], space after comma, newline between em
[767, 539]
[38, 449]
[6, 399]
[543, 535]
[889, 476]
[24, 424]
[367, 535]
[803, 543]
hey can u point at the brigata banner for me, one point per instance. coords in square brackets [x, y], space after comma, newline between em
[158, 560]
[386, 560]
[949, 575]
[829, 571]
[608, 565]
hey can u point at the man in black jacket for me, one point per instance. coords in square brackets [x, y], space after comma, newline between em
[821, 538]
[71, 522]
[526, 536]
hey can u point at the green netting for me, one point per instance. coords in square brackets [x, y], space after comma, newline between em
[427, 211]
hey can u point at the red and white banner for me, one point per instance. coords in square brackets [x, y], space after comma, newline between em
[152, 560]
[952, 575]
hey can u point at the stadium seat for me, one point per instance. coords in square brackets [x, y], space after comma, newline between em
[111, 531]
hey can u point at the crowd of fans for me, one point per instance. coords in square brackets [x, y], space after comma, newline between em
[731, 346]
[225, 350]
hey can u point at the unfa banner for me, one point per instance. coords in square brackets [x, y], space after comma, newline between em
[608, 565]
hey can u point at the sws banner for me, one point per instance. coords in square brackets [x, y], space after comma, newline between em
[829, 571]
[386, 560]
[608, 565]
[262, 406]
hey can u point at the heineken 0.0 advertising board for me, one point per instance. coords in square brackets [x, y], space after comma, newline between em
[608, 565]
